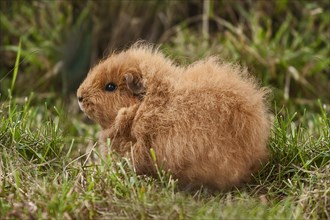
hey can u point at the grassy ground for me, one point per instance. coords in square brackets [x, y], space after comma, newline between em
[50, 168]
[49, 161]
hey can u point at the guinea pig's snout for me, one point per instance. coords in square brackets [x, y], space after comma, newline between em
[80, 101]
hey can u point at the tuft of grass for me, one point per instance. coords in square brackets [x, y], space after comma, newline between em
[300, 160]
[47, 171]
[288, 53]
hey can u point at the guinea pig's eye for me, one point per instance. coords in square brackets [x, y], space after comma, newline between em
[110, 87]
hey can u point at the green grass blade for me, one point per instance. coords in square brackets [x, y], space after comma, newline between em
[16, 66]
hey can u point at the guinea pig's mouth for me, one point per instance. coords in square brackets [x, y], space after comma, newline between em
[81, 106]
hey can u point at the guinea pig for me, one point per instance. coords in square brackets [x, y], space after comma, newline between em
[207, 123]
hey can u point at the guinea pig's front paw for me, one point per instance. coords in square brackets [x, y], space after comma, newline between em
[122, 119]
[125, 118]
[105, 134]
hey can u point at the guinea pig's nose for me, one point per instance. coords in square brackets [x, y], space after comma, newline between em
[80, 99]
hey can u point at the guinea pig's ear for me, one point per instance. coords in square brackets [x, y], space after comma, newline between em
[134, 84]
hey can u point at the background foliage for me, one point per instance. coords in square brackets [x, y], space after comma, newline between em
[284, 43]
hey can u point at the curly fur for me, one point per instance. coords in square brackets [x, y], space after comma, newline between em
[207, 123]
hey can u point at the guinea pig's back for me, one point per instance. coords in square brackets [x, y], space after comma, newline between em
[214, 127]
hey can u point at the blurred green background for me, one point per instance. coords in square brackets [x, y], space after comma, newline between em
[284, 43]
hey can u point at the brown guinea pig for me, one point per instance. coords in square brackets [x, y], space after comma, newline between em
[207, 123]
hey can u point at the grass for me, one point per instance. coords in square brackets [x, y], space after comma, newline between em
[48, 170]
